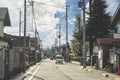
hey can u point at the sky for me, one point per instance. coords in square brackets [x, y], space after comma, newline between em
[48, 14]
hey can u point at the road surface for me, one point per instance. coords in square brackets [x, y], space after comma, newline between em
[48, 70]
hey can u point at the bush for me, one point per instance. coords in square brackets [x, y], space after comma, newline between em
[27, 65]
[76, 58]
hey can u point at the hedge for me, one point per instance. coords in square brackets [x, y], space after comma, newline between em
[76, 58]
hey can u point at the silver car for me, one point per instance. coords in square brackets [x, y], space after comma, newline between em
[59, 59]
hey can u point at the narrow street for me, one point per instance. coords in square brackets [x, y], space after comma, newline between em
[48, 70]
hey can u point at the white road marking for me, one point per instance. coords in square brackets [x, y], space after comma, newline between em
[34, 73]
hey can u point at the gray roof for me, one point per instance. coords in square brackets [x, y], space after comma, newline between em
[4, 16]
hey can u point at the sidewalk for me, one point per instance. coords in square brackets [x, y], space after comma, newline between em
[110, 76]
[22, 75]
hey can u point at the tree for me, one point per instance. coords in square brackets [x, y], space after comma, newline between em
[78, 36]
[78, 32]
[76, 47]
[98, 23]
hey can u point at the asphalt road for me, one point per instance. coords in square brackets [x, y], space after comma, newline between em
[48, 70]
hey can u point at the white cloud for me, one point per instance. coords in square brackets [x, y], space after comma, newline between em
[44, 12]
[71, 21]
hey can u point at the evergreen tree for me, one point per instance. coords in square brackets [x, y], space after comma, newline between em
[98, 23]
[78, 36]
[99, 19]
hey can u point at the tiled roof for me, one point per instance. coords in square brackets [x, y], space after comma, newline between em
[108, 41]
[4, 16]
[104, 41]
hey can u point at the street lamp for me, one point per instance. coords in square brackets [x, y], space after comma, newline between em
[82, 5]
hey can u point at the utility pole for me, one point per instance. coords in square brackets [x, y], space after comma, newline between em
[24, 36]
[84, 35]
[82, 4]
[91, 50]
[20, 24]
[66, 32]
[59, 38]
[33, 18]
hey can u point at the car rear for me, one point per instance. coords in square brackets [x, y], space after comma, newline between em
[59, 59]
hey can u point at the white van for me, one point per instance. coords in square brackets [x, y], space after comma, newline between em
[59, 59]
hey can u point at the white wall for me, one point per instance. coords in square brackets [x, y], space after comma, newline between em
[117, 35]
[118, 26]
[100, 58]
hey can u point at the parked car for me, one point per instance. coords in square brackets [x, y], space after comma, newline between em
[51, 58]
[59, 59]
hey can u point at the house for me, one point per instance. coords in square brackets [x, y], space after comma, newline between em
[33, 48]
[17, 57]
[104, 49]
[101, 51]
[115, 25]
[107, 50]
[17, 53]
[4, 21]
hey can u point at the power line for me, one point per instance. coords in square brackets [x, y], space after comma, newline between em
[48, 32]
[49, 5]
[55, 6]
[34, 20]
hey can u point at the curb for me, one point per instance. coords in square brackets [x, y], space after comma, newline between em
[105, 74]
[76, 63]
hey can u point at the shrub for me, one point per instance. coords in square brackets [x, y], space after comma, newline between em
[27, 65]
[76, 58]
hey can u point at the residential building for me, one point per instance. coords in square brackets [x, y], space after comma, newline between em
[107, 50]
[4, 21]
[115, 24]
[34, 46]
